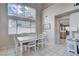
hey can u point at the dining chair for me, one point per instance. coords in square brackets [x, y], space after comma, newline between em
[45, 37]
[31, 44]
[16, 44]
[40, 42]
[25, 46]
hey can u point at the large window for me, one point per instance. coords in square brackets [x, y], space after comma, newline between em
[21, 19]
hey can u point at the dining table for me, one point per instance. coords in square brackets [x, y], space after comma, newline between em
[25, 39]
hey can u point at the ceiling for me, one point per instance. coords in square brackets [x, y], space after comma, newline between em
[40, 5]
[46, 5]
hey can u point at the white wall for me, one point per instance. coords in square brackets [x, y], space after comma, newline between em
[54, 10]
[5, 40]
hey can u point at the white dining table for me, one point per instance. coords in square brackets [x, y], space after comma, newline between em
[25, 39]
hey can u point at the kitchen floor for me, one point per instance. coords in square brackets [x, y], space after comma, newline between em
[57, 50]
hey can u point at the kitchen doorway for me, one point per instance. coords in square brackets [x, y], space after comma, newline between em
[61, 29]
[62, 24]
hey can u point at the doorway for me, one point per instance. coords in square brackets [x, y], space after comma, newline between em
[62, 24]
[62, 29]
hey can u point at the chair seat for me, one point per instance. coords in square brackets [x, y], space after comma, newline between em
[31, 45]
[41, 43]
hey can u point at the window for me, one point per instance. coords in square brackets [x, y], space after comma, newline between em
[46, 23]
[21, 19]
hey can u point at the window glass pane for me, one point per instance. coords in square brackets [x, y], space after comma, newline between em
[28, 24]
[46, 26]
[20, 26]
[30, 12]
[27, 30]
[33, 27]
[32, 24]
[27, 11]
[33, 30]
[23, 30]
[33, 13]
[21, 10]
[12, 31]
[12, 9]
[21, 23]
[12, 26]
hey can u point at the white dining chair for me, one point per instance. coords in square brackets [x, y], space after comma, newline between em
[25, 46]
[40, 41]
[45, 38]
[30, 45]
[16, 45]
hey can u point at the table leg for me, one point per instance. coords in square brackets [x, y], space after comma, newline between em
[16, 49]
[21, 48]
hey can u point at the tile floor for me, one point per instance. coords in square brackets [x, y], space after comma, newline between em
[57, 50]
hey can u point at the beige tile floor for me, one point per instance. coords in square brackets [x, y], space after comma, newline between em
[57, 50]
